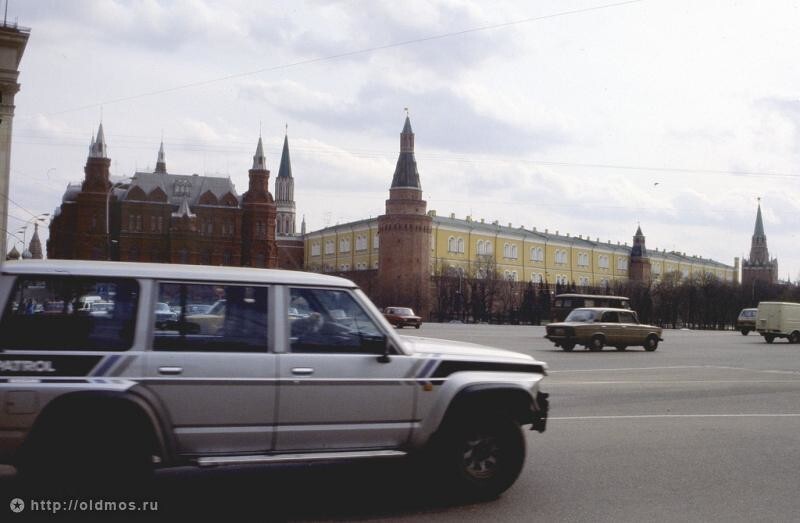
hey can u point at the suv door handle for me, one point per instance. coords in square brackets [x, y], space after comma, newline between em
[170, 370]
[302, 371]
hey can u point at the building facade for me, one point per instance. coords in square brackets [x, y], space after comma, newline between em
[759, 267]
[164, 217]
[13, 40]
[363, 248]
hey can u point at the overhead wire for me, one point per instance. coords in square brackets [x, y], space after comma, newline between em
[346, 54]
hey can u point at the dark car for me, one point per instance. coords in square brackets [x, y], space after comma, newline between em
[402, 316]
[746, 321]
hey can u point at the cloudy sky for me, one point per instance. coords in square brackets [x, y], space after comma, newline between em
[582, 116]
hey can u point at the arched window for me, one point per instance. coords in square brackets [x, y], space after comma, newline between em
[461, 245]
[514, 252]
[451, 245]
[479, 247]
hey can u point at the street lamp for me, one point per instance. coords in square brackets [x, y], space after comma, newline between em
[114, 185]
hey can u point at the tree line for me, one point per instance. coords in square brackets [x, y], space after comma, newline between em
[700, 301]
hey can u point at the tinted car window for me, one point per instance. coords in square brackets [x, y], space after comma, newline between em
[236, 322]
[610, 317]
[581, 316]
[64, 313]
[329, 320]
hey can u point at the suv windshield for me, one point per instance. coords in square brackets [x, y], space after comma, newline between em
[581, 315]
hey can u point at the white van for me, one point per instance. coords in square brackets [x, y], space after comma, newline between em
[779, 320]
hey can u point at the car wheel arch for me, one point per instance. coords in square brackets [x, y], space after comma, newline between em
[109, 401]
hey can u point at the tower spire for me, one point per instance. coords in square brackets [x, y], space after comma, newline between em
[259, 160]
[405, 173]
[161, 162]
[98, 148]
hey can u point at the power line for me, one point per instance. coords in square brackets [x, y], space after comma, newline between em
[435, 157]
[337, 56]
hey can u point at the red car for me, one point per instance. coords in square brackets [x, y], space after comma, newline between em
[401, 316]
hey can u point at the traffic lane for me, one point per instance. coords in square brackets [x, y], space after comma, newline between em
[680, 347]
[644, 469]
[681, 390]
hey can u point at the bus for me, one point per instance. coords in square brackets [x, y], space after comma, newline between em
[564, 303]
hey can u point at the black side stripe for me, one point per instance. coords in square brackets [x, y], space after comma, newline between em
[447, 368]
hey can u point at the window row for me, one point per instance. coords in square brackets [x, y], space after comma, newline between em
[455, 245]
[344, 245]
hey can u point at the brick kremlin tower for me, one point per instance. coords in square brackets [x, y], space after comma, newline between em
[640, 262]
[258, 216]
[405, 236]
[759, 267]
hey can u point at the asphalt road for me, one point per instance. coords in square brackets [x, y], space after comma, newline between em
[706, 428]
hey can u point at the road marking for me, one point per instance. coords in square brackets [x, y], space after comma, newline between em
[657, 416]
[681, 367]
[663, 382]
[631, 368]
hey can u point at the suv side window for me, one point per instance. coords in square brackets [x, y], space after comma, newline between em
[235, 322]
[627, 317]
[70, 313]
[331, 321]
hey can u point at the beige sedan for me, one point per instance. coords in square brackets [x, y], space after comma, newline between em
[597, 327]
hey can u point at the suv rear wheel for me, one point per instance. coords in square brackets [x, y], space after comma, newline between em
[88, 449]
[567, 345]
[480, 455]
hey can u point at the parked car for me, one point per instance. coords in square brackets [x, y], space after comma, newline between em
[101, 308]
[164, 315]
[111, 400]
[209, 322]
[597, 327]
[402, 316]
[746, 321]
[778, 320]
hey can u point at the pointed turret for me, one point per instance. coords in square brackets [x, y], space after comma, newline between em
[759, 229]
[98, 148]
[284, 193]
[405, 235]
[640, 267]
[759, 266]
[161, 162]
[13, 254]
[35, 246]
[97, 165]
[405, 173]
[259, 160]
[639, 248]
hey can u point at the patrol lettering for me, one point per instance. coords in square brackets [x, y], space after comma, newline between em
[26, 366]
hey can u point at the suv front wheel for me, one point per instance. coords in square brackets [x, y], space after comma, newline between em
[481, 455]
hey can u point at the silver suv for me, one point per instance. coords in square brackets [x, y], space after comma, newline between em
[295, 367]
